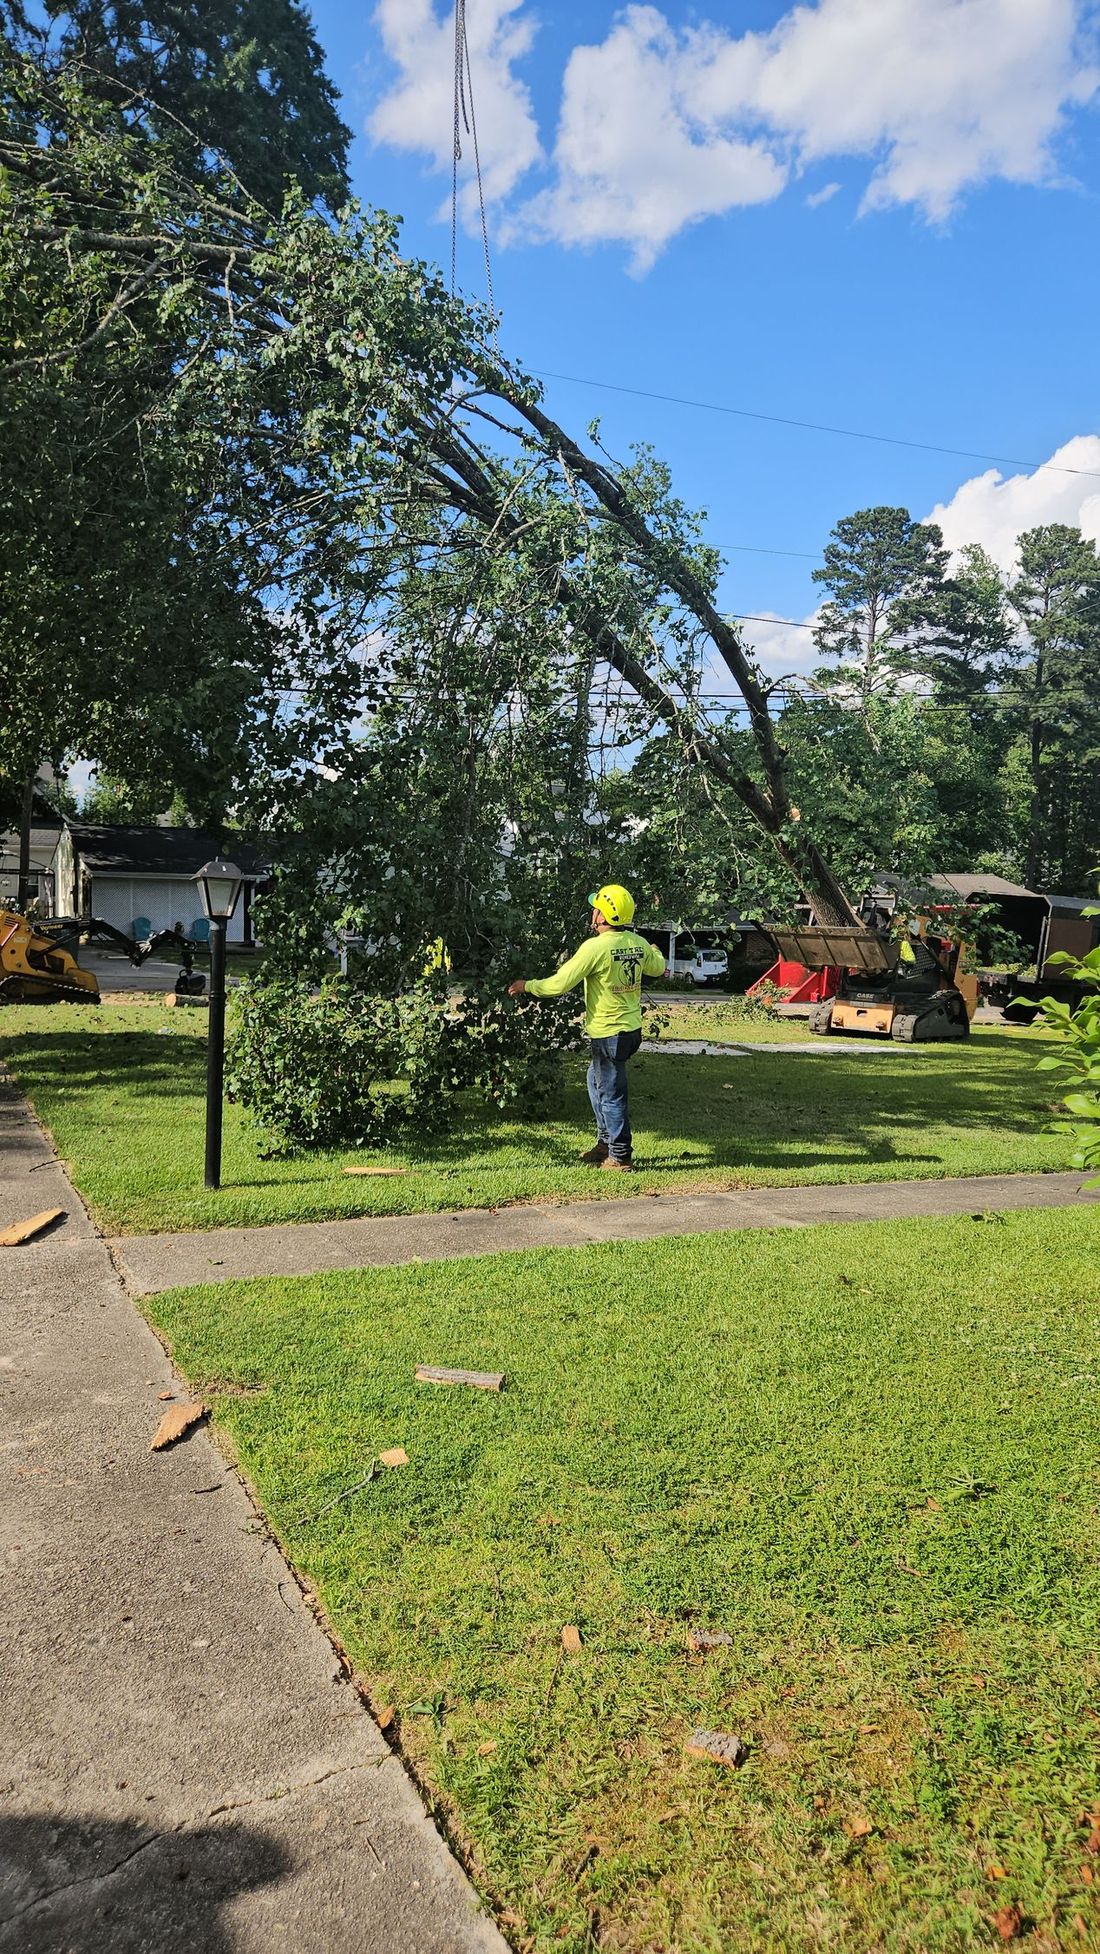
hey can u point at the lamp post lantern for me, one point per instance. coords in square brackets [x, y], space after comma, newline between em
[220, 885]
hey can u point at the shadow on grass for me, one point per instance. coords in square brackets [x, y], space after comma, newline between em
[766, 1112]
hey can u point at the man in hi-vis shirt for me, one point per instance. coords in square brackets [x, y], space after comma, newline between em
[611, 964]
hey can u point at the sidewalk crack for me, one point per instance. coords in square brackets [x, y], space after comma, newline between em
[91, 1879]
[289, 1790]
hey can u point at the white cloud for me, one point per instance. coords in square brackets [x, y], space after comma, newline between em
[417, 111]
[660, 127]
[993, 509]
[990, 509]
[635, 159]
[782, 647]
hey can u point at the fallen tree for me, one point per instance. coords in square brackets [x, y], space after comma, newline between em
[402, 481]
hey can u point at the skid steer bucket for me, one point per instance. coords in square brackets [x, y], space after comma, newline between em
[843, 949]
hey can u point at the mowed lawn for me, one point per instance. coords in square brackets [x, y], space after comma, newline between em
[122, 1089]
[869, 1455]
[724, 1022]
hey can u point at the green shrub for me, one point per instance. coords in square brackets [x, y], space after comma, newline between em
[344, 1066]
[1078, 1064]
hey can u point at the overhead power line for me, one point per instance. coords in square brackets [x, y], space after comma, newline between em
[815, 427]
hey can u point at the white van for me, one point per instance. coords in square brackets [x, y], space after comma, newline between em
[702, 966]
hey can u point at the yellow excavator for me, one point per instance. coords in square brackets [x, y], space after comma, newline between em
[38, 961]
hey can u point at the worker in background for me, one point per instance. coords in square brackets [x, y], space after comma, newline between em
[611, 966]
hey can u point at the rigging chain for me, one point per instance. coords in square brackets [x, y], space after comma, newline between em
[465, 118]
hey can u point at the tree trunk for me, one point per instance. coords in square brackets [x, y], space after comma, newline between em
[477, 494]
[1035, 825]
[26, 819]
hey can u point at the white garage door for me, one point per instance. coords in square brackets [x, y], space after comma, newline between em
[157, 901]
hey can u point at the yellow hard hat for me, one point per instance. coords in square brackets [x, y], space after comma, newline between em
[615, 904]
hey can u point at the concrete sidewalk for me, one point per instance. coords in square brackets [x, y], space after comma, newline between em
[184, 1764]
[153, 1262]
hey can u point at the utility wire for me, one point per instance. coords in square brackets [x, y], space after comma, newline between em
[815, 427]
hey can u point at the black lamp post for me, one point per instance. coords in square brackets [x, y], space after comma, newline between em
[220, 888]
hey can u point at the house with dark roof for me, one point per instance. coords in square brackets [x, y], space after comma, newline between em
[142, 879]
[46, 831]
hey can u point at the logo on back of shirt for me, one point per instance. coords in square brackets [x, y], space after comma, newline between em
[628, 958]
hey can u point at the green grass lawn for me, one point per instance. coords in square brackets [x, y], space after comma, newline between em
[870, 1455]
[122, 1088]
[721, 1021]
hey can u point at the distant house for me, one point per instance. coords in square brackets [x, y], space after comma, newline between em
[46, 831]
[142, 879]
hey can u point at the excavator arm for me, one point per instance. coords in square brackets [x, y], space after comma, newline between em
[39, 962]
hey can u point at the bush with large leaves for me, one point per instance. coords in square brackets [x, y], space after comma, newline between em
[1077, 1065]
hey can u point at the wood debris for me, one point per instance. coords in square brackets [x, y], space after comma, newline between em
[22, 1231]
[480, 1380]
[1009, 1922]
[377, 1173]
[385, 1717]
[717, 1746]
[395, 1457]
[487, 1748]
[700, 1640]
[571, 1640]
[175, 1422]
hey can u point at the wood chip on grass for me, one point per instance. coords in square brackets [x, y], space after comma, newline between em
[571, 1639]
[175, 1422]
[701, 1640]
[479, 1380]
[395, 1457]
[376, 1173]
[717, 1747]
[24, 1231]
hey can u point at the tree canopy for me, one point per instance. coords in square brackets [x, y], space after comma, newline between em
[351, 579]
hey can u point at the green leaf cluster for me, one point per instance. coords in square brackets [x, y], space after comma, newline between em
[344, 1064]
[1077, 1066]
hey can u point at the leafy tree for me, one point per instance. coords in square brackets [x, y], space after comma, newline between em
[1056, 596]
[135, 628]
[242, 80]
[110, 801]
[884, 575]
[862, 780]
[374, 428]
[682, 842]
[1077, 1065]
[434, 578]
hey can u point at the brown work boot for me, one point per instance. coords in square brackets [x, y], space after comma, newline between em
[596, 1155]
[613, 1166]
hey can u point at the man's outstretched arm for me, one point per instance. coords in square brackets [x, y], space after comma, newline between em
[571, 973]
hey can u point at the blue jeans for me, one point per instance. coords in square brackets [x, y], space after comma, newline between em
[607, 1090]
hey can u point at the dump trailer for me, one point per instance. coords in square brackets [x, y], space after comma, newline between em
[1044, 925]
[906, 988]
[39, 961]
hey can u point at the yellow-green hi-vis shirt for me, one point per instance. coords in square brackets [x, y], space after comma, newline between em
[612, 966]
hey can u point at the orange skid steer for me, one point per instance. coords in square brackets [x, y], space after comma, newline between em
[908, 988]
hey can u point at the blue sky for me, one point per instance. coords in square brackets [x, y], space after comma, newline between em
[880, 214]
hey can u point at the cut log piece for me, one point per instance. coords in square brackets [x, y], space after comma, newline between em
[24, 1231]
[439, 1374]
